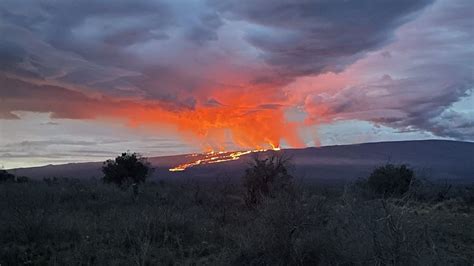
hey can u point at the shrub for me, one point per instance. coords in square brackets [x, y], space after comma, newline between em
[468, 194]
[6, 176]
[264, 177]
[390, 180]
[22, 179]
[127, 169]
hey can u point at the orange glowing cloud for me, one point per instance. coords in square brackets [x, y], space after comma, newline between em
[242, 117]
[252, 119]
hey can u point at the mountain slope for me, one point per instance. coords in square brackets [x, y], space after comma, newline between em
[434, 159]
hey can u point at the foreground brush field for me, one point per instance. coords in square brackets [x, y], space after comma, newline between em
[71, 222]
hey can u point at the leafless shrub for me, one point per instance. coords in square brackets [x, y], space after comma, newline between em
[266, 177]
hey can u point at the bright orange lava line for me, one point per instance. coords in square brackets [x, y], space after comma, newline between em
[217, 157]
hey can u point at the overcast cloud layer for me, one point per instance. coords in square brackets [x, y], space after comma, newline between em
[235, 70]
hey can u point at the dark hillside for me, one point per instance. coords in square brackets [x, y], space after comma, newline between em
[435, 159]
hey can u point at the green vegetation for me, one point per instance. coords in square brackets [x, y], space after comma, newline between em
[72, 222]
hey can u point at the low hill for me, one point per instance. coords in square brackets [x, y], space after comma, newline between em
[433, 159]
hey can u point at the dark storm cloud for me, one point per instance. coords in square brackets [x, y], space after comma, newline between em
[296, 38]
[61, 102]
[205, 29]
[19, 95]
[61, 23]
[454, 124]
[78, 42]
[406, 104]
[432, 70]
[10, 53]
[310, 37]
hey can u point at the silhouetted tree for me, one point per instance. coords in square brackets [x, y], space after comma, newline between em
[391, 180]
[265, 176]
[127, 169]
[6, 176]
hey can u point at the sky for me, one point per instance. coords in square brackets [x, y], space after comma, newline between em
[86, 80]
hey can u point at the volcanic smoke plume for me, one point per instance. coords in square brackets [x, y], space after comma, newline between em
[232, 74]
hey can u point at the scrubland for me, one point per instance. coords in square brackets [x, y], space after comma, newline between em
[87, 222]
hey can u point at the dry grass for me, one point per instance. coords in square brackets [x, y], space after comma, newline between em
[88, 223]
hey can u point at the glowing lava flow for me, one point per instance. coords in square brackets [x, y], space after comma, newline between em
[216, 157]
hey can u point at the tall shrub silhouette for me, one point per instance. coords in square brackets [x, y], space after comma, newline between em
[6, 176]
[265, 177]
[391, 180]
[127, 169]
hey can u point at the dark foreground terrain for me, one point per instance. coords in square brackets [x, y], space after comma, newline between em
[72, 222]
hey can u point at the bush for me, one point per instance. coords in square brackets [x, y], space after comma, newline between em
[264, 177]
[127, 169]
[6, 176]
[468, 194]
[390, 180]
[22, 179]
